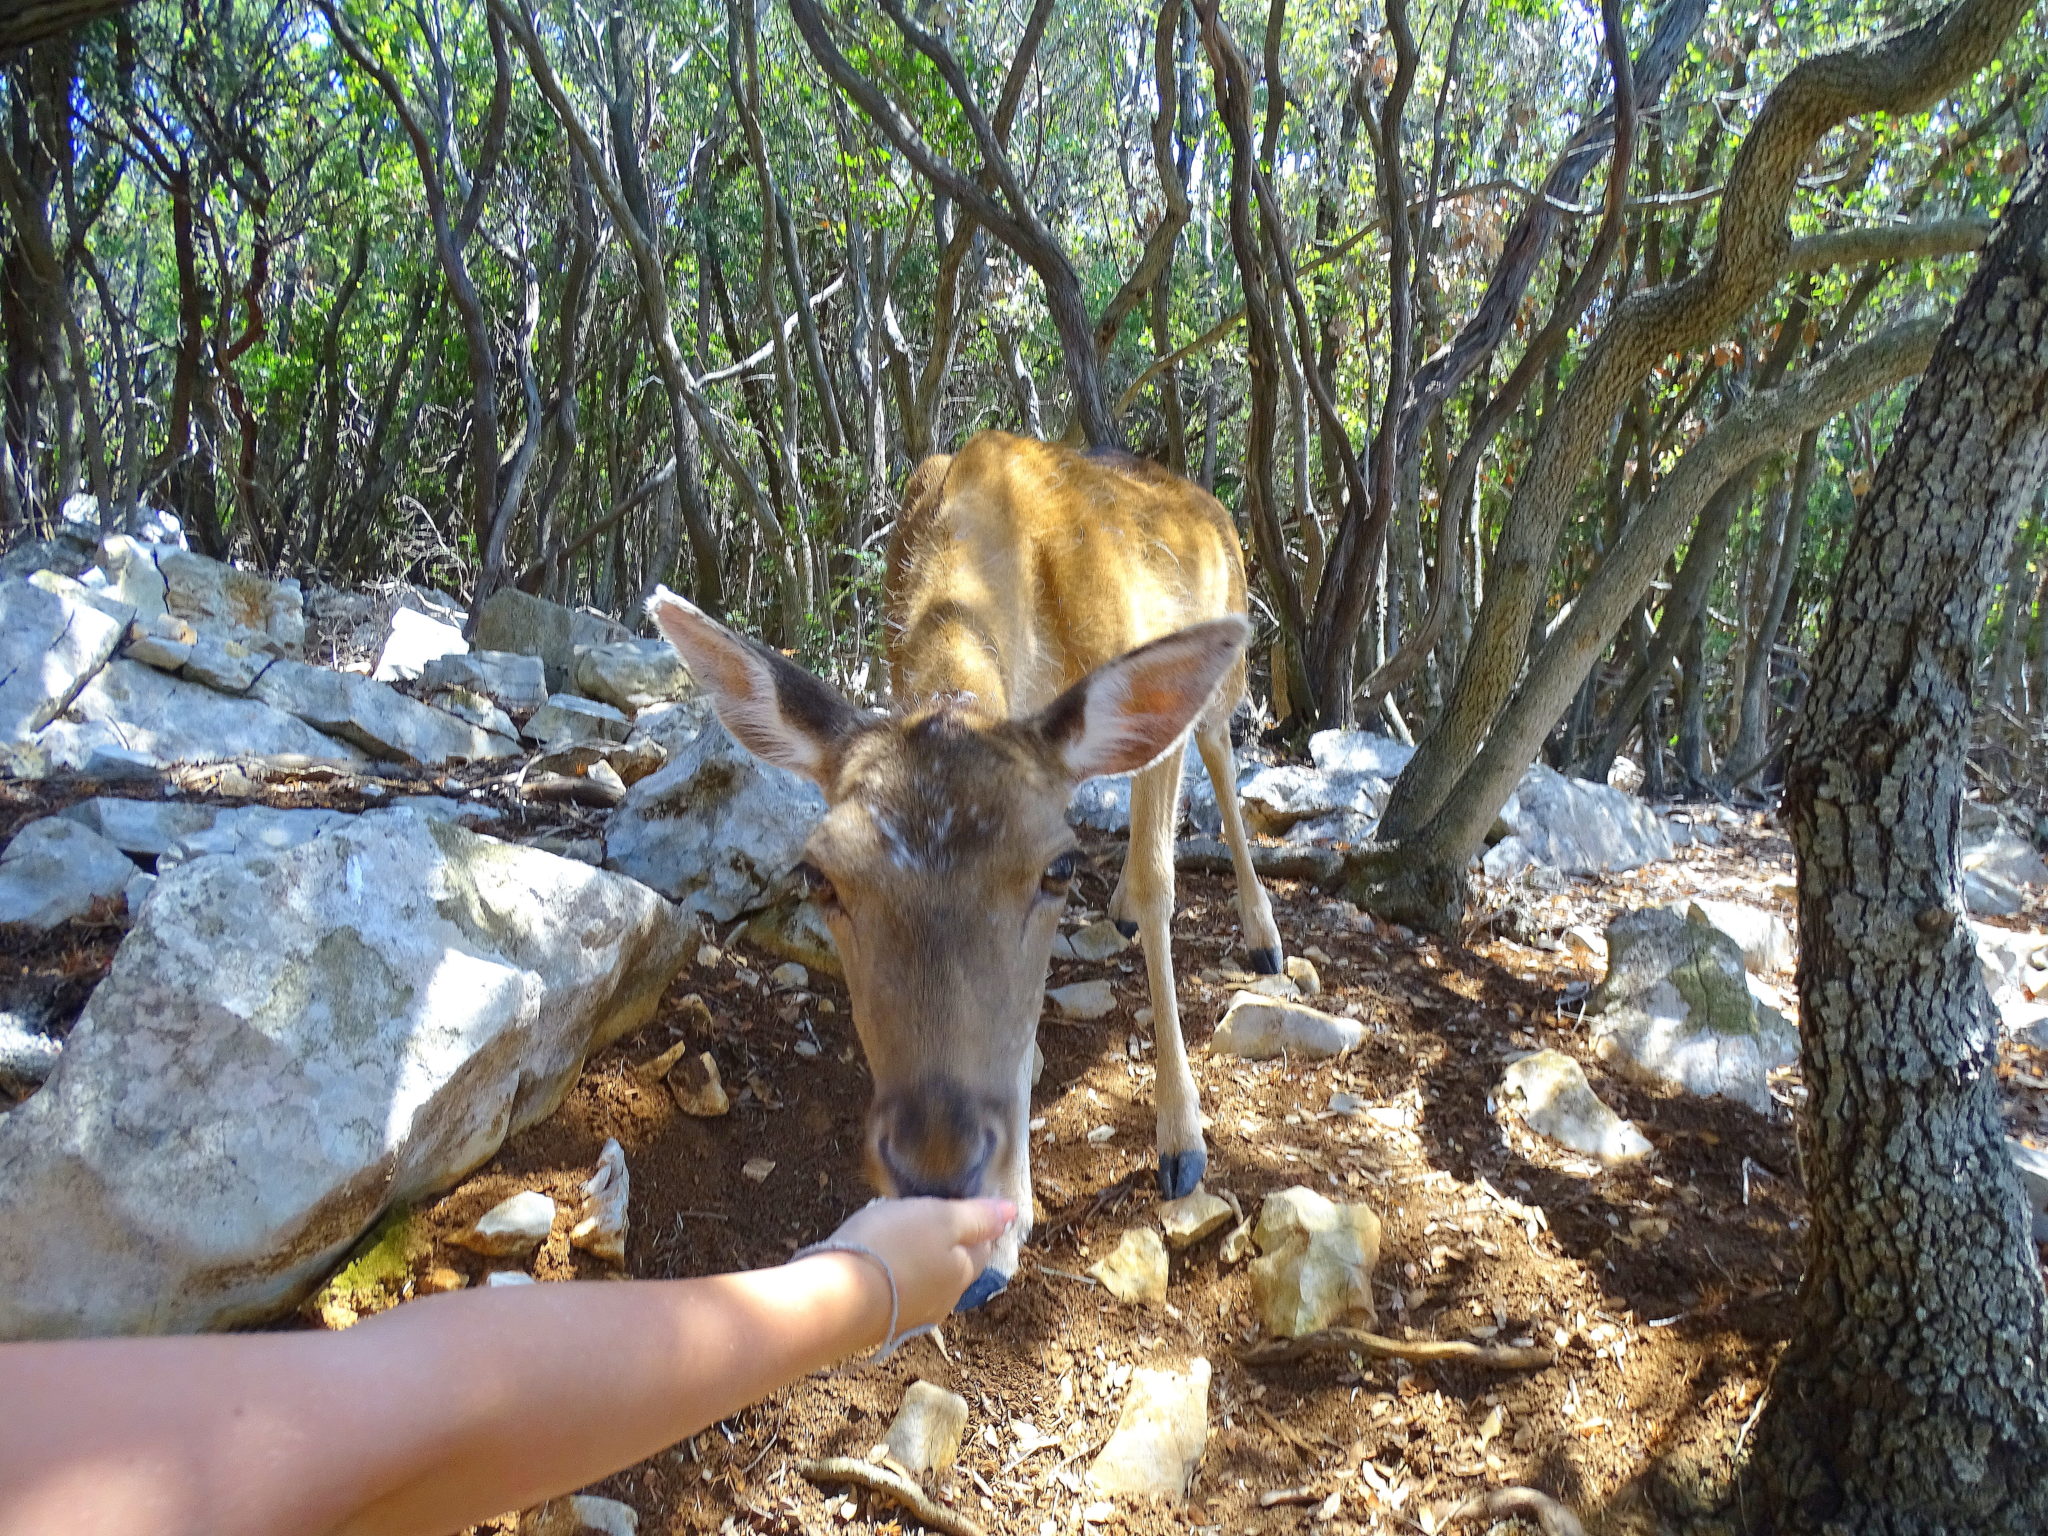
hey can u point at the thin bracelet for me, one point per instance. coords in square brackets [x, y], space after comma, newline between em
[892, 1340]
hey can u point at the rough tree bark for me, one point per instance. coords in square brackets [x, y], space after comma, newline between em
[1913, 1396]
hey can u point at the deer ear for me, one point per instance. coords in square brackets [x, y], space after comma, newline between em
[773, 707]
[1127, 712]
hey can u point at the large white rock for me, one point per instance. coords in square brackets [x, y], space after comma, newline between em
[139, 709]
[203, 591]
[515, 682]
[1766, 940]
[286, 1046]
[1105, 803]
[52, 642]
[1548, 1091]
[1160, 1435]
[1359, 752]
[1276, 799]
[54, 869]
[717, 829]
[567, 720]
[375, 716]
[414, 639]
[632, 674]
[1675, 1008]
[132, 576]
[1998, 864]
[1577, 826]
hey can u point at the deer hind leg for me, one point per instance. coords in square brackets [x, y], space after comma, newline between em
[1147, 889]
[1254, 907]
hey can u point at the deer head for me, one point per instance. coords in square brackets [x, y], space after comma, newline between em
[942, 866]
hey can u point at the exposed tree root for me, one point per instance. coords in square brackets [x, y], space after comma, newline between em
[1495, 1357]
[1530, 1503]
[900, 1489]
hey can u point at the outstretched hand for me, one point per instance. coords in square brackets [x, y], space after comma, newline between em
[935, 1248]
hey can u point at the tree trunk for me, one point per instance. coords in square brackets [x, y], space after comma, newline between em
[1912, 1397]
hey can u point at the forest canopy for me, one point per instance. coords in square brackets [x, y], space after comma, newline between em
[479, 293]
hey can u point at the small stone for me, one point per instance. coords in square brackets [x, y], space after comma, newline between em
[1191, 1218]
[137, 890]
[502, 1277]
[925, 1434]
[709, 956]
[1160, 1435]
[1101, 1135]
[1239, 1245]
[581, 1514]
[1256, 1028]
[1135, 1269]
[1585, 940]
[602, 1230]
[1302, 972]
[1084, 999]
[1098, 941]
[1548, 1091]
[796, 930]
[1316, 1261]
[160, 641]
[789, 977]
[697, 1089]
[758, 1168]
[513, 1226]
[441, 1279]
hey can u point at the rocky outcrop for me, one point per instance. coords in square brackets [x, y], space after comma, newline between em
[288, 1044]
[52, 642]
[1576, 826]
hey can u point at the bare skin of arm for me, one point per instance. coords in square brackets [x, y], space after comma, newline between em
[448, 1410]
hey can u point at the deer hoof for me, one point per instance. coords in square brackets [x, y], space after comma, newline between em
[1125, 927]
[1180, 1172]
[988, 1285]
[1270, 961]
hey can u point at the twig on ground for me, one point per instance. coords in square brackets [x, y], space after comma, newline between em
[1551, 1517]
[1497, 1357]
[894, 1486]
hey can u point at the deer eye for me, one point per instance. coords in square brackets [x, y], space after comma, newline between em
[815, 886]
[1059, 874]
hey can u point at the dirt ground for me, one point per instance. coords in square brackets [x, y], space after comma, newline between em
[1663, 1287]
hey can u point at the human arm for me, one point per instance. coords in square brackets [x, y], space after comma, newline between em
[448, 1410]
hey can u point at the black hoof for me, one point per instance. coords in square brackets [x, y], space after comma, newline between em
[1180, 1172]
[1268, 962]
[1128, 929]
[988, 1285]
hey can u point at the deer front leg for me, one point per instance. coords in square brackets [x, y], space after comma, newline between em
[1254, 908]
[1148, 888]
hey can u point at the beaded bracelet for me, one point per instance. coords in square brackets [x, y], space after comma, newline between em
[892, 1340]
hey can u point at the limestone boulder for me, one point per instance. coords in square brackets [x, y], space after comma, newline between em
[567, 720]
[286, 1046]
[632, 674]
[1135, 1269]
[414, 639]
[925, 1434]
[133, 708]
[1675, 1008]
[511, 681]
[52, 643]
[1359, 752]
[1278, 798]
[205, 591]
[1576, 826]
[1765, 938]
[717, 829]
[54, 869]
[374, 716]
[2001, 869]
[511, 620]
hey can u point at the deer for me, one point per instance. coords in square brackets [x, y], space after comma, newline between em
[1050, 615]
